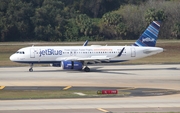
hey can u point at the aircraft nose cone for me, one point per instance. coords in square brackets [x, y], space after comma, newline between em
[12, 58]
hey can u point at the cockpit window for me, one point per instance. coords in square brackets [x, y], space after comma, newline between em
[20, 52]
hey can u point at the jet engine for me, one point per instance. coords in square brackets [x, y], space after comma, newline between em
[55, 64]
[71, 65]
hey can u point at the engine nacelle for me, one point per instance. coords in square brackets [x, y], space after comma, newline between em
[71, 65]
[55, 64]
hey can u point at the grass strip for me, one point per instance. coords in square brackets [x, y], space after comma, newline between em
[55, 94]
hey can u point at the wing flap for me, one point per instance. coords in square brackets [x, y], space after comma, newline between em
[94, 58]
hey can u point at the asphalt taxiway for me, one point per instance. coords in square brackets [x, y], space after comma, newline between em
[135, 76]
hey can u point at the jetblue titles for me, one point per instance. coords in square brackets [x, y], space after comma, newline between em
[148, 39]
[50, 52]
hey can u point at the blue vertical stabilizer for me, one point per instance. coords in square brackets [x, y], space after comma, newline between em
[150, 35]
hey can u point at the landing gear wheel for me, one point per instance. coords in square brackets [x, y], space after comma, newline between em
[30, 70]
[31, 67]
[86, 69]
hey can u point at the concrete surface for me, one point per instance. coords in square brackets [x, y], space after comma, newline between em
[137, 76]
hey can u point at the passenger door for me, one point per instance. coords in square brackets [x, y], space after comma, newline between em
[32, 53]
[133, 52]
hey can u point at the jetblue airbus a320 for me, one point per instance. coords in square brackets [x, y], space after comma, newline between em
[78, 57]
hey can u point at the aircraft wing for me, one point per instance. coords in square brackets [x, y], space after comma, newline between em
[100, 57]
[94, 58]
[89, 59]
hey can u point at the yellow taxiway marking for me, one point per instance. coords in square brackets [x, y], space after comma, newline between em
[103, 110]
[2, 87]
[67, 87]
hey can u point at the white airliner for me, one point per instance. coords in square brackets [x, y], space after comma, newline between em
[78, 57]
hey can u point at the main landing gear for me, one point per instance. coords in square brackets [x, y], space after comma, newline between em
[87, 69]
[31, 67]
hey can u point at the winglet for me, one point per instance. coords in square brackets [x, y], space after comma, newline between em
[120, 53]
[85, 43]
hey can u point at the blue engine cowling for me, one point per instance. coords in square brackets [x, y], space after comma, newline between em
[71, 65]
[55, 64]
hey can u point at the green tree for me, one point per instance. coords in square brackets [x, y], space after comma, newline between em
[73, 20]
[176, 30]
[49, 20]
[111, 19]
[121, 30]
[111, 26]
[93, 8]
[72, 31]
[135, 1]
[153, 14]
[15, 23]
[85, 24]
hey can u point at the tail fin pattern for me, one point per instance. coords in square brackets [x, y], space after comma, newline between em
[150, 35]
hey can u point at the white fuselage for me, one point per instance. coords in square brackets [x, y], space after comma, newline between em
[53, 54]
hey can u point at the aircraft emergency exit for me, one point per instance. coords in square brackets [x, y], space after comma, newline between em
[79, 57]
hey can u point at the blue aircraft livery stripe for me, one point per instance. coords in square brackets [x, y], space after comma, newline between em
[155, 32]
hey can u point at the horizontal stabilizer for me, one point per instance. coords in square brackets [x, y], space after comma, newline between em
[153, 50]
[95, 58]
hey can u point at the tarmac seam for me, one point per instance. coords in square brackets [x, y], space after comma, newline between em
[128, 88]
